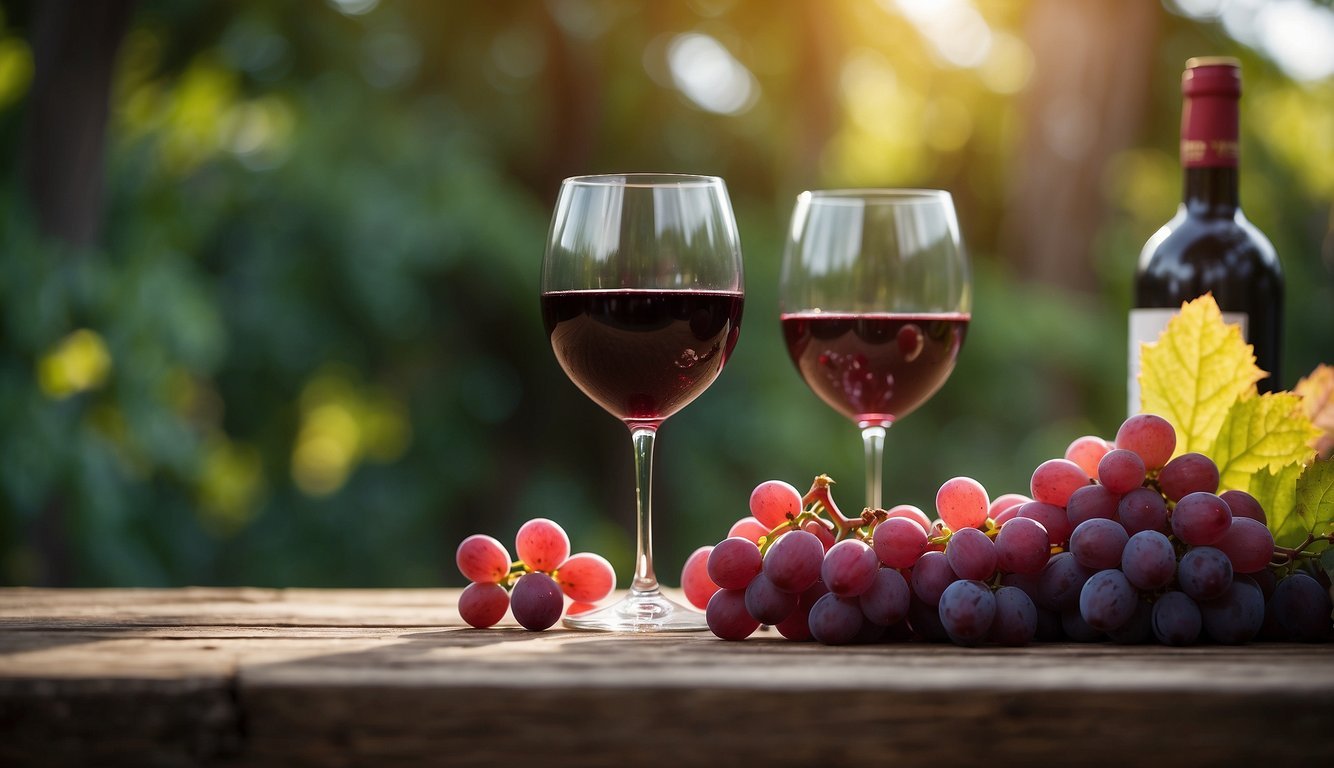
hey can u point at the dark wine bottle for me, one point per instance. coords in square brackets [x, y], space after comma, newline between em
[1209, 246]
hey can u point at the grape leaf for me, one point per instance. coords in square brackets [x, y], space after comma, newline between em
[1315, 498]
[1317, 391]
[1277, 494]
[1195, 371]
[1264, 432]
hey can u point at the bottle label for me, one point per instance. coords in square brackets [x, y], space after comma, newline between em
[1145, 327]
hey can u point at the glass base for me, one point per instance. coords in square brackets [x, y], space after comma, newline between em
[640, 612]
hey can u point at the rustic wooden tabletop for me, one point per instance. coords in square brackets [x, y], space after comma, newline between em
[386, 677]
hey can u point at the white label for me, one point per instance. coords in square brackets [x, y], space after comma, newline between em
[1145, 327]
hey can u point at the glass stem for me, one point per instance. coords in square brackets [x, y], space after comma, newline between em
[873, 439]
[644, 582]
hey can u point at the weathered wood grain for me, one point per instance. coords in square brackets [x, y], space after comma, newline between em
[388, 677]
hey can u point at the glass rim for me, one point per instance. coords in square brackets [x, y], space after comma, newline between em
[638, 179]
[874, 195]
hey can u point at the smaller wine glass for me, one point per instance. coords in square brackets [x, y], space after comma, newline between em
[875, 300]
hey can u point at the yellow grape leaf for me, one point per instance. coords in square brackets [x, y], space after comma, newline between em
[1317, 391]
[1315, 498]
[1277, 494]
[1196, 370]
[1264, 432]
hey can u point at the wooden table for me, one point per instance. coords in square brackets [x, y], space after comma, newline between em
[390, 677]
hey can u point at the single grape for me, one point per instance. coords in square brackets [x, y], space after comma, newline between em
[1248, 544]
[1186, 474]
[1243, 504]
[821, 531]
[727, 617]
[1022, 546]
[924, 620]
[930, 576]
[1143, 509]
[971, 554]
[887, 600]
[536, 601]
[1150, 436]
[1052, 518]
[542, 544]
[1056, 479]
[773, 502]
[1087, 451]
[766, 603]
[1201, 518]
[586, 577]
[1004, 502]
[967, 609]
[1107, 600]
[1235, 616]
[1302, 608]
[1008, 514]
[1089, 502]
[793, 561]
[910, 512]
[734, 562]
[1076, 629]
[1061, 581]
[1204, 573]
[1016, 619]
[1176, 619]
[1149, 561]
[482, 559]
[748, 528]
[898, 542]
[695, 581]
[482, 604]
[1121, 471]
[849, 568]
[836, 620]
[1098, 543]
[962, 503]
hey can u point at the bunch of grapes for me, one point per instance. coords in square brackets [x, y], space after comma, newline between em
[1117, 540]
[535, 586]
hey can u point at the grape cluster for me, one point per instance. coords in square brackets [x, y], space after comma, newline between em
[535, 586]
[1116, 540]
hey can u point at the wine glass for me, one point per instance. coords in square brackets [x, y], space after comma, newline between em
[642, 297]
[875, 301]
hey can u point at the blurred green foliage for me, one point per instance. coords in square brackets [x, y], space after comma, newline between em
[307, 351]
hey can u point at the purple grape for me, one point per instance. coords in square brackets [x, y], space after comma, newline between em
[1052, 517]
[886, 602]
[1235, 616]
[1098, 543]
[1089, 502]
[1061, 581]
[849, 568]
[797, 625]
[1243, 504]
[1302, 608]
[1149, 561]
[766, 603]
[1076, 629]
[1028, 582]
[1022, 546]
[1201, 518]
[1248, 544]
[1107, 600]
[967, 609]
[733, 562]
[1176, 619]
[930, 576]
[1121, 471]
[794, 560]
[899, 541]
[727, 616]
[1143, 509]
[536, 601]
[1186, 474]
[1016, 619]
[1137, 629]
[1204, 573]
[836, 620]
[971, 554]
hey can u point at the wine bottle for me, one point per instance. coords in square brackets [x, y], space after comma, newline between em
[1209, 246]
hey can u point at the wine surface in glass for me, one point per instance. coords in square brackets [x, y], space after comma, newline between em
[874, 367]
[642, 354]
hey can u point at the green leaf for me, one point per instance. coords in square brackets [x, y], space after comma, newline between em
[1196, 370]
[1277, 494]
[1265, 432]
[1315, 498]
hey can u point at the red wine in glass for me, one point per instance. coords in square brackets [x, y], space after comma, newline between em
[876, 367]
[642, 354]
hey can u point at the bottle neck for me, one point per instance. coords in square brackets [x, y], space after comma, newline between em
[1211, 191]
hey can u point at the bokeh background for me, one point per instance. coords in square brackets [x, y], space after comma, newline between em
[269, 270]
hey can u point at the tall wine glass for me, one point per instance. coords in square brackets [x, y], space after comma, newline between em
[875, 301]
[642, 296]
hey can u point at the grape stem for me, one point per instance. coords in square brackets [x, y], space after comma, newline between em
[1285, 555]
[821, 496]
